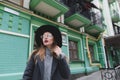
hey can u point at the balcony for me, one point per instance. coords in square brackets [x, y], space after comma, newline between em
[50, 8]
[114, 41]
[77, 21]
[116, 29]
[96, 19]
[81, 16]
[115, 16]
[97, 26]
[94, 30]
[92, 22]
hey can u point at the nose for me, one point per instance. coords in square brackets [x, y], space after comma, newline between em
[45, 37]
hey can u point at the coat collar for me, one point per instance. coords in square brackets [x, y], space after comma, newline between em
[41, 66]
[54, 65]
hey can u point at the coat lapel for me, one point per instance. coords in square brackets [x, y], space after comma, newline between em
[41, 67]
[54, 65]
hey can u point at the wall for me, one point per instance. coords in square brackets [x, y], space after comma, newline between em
[14, 43]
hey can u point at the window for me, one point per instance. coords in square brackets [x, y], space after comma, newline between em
[73, 49]
[92, 53]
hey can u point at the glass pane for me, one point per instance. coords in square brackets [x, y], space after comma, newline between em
[73, 50]
[91, 48]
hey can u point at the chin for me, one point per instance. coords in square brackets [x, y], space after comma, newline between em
[46, 44]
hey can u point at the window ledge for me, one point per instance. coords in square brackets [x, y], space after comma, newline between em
[77, 61]
[95, 61]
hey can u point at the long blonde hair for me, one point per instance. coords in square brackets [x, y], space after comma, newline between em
[41, 51]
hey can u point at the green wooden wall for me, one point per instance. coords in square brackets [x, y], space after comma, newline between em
[14, 44]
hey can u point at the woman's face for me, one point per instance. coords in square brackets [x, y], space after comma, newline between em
[48, 39]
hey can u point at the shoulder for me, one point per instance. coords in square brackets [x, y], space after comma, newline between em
[63, 55]
[33, 53]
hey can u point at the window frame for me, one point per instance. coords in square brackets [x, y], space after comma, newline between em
[76, 54]
[79, 46]
[96, 56]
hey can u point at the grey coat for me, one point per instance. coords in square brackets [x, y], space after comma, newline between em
[34, 71]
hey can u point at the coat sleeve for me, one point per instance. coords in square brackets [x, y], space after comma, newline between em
[64, 68]
[28, 73]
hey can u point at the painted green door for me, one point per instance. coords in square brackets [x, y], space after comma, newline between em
[13, 56]
[14, 45]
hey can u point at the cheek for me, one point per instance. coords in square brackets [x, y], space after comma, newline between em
[51, 41]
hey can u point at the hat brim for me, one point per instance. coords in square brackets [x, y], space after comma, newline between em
[48, 28]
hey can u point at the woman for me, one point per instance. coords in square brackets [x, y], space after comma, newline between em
[47, 62]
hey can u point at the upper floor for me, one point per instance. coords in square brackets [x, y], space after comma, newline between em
[84, 15]
[115, 15]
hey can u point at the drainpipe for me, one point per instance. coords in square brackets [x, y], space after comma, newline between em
[89, 56]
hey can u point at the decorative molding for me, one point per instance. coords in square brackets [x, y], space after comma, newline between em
[11, 11]
[64, 39]
[14, 33]
[11, 74]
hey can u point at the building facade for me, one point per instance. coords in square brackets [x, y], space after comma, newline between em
[81, 23]
[111, 35]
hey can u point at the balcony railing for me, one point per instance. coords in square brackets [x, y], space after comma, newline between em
[115, 16]
[117, 70]
[116, 29]
[84, 10]
[111, 73]
[96, 18]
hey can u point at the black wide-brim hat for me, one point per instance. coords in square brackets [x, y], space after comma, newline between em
[48, 28]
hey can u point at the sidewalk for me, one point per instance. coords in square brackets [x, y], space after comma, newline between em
[93, 76]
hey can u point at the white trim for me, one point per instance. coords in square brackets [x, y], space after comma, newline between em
[31, 28]
[35, 25]
[65, 44]
[11, 11]
[11, 74]
[80, 67]
[26, 3]
[30, 42]
[63, 33]
[117, 67]
[14, 33]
